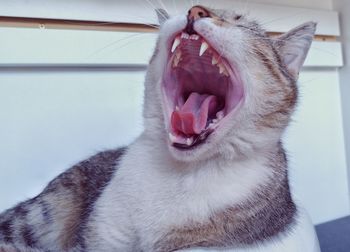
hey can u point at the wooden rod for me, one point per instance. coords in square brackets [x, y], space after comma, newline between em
[42, 23]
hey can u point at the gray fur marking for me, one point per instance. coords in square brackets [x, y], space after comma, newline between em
[84, 182]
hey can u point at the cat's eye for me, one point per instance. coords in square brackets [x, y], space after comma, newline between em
[238, 17]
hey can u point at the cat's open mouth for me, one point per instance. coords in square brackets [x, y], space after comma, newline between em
[200, 89]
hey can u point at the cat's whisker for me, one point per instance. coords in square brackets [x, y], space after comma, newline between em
[301, 83]
[155, 8]
[129, 42]
[114, 43]
[313, 47]
[246, 6]
[163, 5]
[175, 7]
[283, 18]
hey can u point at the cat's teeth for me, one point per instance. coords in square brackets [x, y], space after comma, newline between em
[222, 69]
[177, 108]
[177, 59]
[204, 47]
[176, 62]
[194, 37]
[185, 35]
[213, 125]
[220, 115]
[189, 141]
[176, 43]
[214, 61]
[172, 138]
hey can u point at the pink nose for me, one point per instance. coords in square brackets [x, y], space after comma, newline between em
[194, 14]
[197, 12]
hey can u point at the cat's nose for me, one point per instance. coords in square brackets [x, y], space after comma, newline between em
[195, 13]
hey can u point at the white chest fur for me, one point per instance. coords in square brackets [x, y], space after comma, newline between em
[152, 193]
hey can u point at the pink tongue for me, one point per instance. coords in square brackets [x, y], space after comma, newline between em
[192, 117]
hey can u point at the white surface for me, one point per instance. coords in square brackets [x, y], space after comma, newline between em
[34, 46]
[301, 239]
[315, 144]
[51, 120]
[275, 17]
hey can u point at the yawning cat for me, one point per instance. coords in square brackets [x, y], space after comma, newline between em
[209, 172]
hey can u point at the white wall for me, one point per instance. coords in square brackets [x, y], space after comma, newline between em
[315, 144]
[52, 119]
[313, 4]
[343, 7]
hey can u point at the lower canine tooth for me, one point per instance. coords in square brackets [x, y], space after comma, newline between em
[172, 138]
[220, 115]
[189, 141]
[204, 47]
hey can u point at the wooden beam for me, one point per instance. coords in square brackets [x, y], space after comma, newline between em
[99, 26]
[41, 23]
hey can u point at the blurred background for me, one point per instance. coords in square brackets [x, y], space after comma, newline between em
[71, 84]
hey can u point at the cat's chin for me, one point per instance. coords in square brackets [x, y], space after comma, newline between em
[201, 93]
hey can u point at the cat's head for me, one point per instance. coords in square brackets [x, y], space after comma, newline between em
[219, 85]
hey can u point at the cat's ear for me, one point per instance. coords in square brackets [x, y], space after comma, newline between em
[294, 45]
[162, 16]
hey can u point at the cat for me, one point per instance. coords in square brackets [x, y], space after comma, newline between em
[208, 173]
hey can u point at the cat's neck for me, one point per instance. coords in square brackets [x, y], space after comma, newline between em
[219, 181]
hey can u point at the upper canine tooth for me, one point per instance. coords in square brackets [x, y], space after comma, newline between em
[176, 43]
[204, 47]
